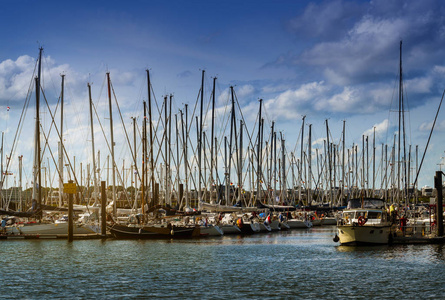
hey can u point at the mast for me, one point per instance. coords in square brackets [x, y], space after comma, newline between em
[37, 192]
[240, 161]
[200, 139]
[343, 165]
[186, 157]
[144, 158]
[259, 155]
[373, 164]
[152, 168]
[95, 188]
[61, 143]
[212, 179]
[113, 188]
[135, 181]
[400, 126]
[329, 163]
[309, 165]
[283, 169]
[165, 149]
[300, 180]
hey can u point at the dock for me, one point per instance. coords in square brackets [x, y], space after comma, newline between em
[52, 236]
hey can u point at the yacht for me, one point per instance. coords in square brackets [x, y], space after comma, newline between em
[364, 221]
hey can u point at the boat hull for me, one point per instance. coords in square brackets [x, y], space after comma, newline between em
[211, 230]
[230, 229]
[250, 228]
[152, 232]
[364, 235]
[50, 228]
[294, 223]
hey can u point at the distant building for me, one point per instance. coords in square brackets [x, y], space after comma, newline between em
[427, 191]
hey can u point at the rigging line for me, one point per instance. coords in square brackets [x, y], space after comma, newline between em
[244, 121]
[125, 129]
[21, 122]
[429, 138]
[49, 149]
[62, 144]
[51, 125]
[120, 180]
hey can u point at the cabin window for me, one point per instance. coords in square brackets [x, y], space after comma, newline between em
[374, 215]
[348, 215]
[363, 214]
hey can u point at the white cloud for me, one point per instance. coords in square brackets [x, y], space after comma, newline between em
[379, 128]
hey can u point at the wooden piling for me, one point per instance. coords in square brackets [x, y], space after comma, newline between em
[70, 213]
[439, 202]
[103, 212]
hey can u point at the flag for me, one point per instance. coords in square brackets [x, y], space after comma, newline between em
[7, 108]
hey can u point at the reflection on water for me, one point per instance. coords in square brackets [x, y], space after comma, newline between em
[289, 264]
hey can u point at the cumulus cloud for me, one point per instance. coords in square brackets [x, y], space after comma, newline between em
[356, 47]
[15, 77]
[320, 97]
[333, 19]
[379, 128]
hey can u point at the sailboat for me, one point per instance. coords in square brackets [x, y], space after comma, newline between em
[40, 227]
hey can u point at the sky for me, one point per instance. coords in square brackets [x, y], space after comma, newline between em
[331, 61]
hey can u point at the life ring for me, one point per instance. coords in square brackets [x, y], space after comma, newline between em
[361, 221]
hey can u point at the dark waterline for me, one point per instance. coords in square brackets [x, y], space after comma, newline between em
[285, 265]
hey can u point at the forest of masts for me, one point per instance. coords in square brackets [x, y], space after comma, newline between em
[209, 154]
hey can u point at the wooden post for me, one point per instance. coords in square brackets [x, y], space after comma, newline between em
[70, 193]
[439, 202]
[181, 193]
[103, 212]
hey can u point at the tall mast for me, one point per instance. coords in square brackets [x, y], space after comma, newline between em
[343, 165]
[373, 164]
[36, 192]
[61, 143]
[329, 162]
[152, 168]
[400, 126]
[144, 158]
[300, 180]
[95, 188]
[309, 166]
[165, 148]
[240, 160]
[135, 163]
[259, 155]
[113, 188]
[283, 169]
[212, 179]
[186, 157]
[200, 139]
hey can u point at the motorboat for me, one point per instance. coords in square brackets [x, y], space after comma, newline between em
[364, 221]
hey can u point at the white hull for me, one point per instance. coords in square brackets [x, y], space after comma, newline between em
[372, 234]
[224, 208]
[284, 226]
[264, 227]
[230, 229]
[316, 222]
[51, 229]
[275, 225]
[211, 230]
[294, 223]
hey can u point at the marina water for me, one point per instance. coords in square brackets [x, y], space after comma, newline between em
[292, 264]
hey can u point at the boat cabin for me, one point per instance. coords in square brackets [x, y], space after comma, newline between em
[369, 217]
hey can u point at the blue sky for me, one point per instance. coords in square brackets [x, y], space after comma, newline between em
[335, 60]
